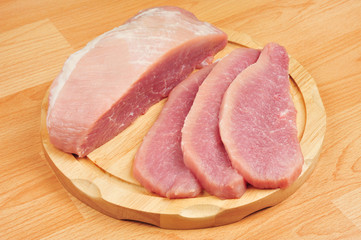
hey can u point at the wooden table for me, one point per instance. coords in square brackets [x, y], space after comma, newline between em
[36, 37]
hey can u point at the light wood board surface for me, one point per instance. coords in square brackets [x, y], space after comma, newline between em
[37, 36]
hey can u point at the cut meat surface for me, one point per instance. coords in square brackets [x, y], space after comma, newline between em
[158, 164]
[258, 122]
[105, 86]
[203, 151]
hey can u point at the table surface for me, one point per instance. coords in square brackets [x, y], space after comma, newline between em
[36, 37]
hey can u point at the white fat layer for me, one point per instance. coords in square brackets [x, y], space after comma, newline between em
[71, 63]
[128, 33]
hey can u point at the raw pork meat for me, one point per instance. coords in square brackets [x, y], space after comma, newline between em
[158, 164]
[258, 122]
[203, 151]
[104, 87]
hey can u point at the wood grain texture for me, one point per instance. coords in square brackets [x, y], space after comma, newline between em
[28, 48]
[322, 35]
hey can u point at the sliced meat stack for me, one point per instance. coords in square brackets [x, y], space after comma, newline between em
[158, 164]
[203, 151]
[105, 86]
[258, 122]
[227, 124]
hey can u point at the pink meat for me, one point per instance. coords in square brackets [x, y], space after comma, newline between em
[258, 122]
[203, 151]
[104, 87]
[158, 164]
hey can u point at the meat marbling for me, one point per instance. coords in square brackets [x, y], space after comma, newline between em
[258, 122]
[158, 164]
[105, 86]
[203, 151]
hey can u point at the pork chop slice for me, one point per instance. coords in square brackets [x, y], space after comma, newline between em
[158, 164]
[258, 122]
[105, 86]
[203, 150]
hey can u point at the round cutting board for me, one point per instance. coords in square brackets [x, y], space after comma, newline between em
[104, 180]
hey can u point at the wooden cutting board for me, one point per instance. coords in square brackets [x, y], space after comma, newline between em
[104, 180]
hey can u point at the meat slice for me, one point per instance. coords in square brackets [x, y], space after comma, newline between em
[258, 122]
[158, 164]
[203, 151]
[105, 86]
